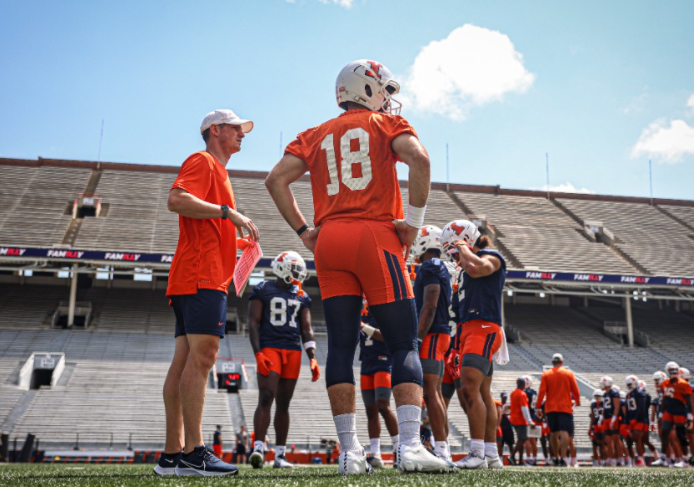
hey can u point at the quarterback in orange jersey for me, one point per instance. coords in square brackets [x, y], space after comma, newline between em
[359, 241]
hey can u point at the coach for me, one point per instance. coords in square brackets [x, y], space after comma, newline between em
[201, 271]
[559, 386]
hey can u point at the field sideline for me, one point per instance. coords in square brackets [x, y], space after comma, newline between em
[141, 475]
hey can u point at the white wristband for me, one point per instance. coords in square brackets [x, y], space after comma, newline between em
[369, 330]
[415, 216]
[689, 416]
[308, 345]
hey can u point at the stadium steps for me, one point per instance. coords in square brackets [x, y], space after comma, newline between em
[671, 214]
[20, 407]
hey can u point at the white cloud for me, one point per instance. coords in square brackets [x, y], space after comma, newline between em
[471, 67]
[666, 143]
[341, 3]
[564, 188]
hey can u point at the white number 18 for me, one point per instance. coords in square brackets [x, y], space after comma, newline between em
[349, 157]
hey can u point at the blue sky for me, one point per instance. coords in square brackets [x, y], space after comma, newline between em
[600, 86]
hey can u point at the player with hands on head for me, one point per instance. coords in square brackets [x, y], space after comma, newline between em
[480, 335]
[359, 239]
[279, 319]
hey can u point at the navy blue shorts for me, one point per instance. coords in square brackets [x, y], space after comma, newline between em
[204, 313]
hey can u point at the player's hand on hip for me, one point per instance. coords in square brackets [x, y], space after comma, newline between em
[406, 233]
[263, 363]
[453, 364]
[309, 238]
[241, 222]
[315, 370]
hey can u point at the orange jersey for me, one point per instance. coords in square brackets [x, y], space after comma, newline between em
[558, 385]
[676, 389]
[352, 166]
[206, 252]
[519, 399]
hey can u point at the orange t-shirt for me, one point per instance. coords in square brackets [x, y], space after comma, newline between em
[352, 166]
[206, 252]
[559, 385]
[519, 399]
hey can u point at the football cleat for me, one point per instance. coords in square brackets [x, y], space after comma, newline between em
[473, 461]
[658, 463]
[679, 464]
[281, 462]
[202, 461]
[420, 459]
[375, 461]
[257, 459]
[167, 464]
[494, 463]
[353, 463]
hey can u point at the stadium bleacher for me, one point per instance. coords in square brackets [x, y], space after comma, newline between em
[131, 327]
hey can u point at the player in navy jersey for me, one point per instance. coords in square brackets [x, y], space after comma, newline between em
[637, 416]
[279, 321]
[432, 294]
[480, 337]
[595, 429]
[376, 376]
[611, 405]
[646, 434]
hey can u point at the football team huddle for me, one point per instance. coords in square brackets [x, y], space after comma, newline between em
[622, 420]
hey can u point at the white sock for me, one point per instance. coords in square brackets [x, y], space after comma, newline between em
[490, 449]
[375, 446]
[477, 446]
[279, 450]
[346, 426]
[409, 419]
[441, 447]
[259, 445]
[396, 441]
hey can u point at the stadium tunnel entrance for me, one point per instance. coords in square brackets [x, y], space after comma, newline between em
[41, 369]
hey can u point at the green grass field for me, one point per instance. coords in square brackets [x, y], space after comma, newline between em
[46, 475]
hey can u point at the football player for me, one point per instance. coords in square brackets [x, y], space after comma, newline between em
[677, 412]
[360, 241]
[637, 416]
[279, 320]
[646, 434]
[686, 376]
[432, 294]
[481, 337]
[595, 429]
[531, 450]
[376, 369]
[611, 405]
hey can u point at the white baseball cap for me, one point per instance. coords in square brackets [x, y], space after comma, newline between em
[557, 357]
[225, 116]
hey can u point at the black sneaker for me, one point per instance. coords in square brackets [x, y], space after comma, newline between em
[167, 464]
[203, 461]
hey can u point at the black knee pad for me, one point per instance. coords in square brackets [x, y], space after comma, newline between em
[681, 433]
[342, 318]
[398, 324]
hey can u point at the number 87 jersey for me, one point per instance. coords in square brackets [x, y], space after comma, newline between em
[352, 166]
[280, 326]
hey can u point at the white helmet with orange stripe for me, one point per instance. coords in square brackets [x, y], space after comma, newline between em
[428, 238]
[290, 267]
[369, 84]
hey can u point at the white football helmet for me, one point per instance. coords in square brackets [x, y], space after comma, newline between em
[290, 267]
[597, 393]
[369, 84]
[528, 381]
[458, 230]
[429, 237]
[632, 382]
[622, 395]
[606, 381]
[642, 385]
[659, 377]
[684, 373]
[672, 369]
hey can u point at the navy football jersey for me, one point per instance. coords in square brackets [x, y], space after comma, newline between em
[434, 271]
[636, 406]
[280, 326]
[595, 411]
[607, 406]
[373, 354]
[480, 299]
